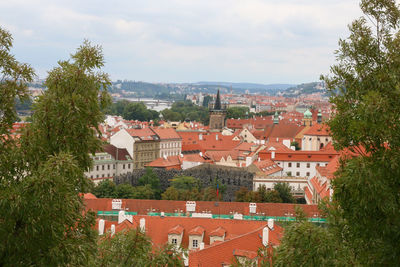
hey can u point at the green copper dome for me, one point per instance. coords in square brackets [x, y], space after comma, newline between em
[307, 114]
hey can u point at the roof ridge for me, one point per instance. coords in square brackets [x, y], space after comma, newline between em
[234, 238]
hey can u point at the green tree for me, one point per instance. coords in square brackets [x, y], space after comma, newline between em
[42, 218]
[104, 189]
[14, 77]
[284, 192]
[134, 248]
[150, 178]
[143, 192]
[124, 191]
[171, 194]
[242, 195]
[306, 244]
[44, 222]
[237, 112]
[185, 182]
[365, 89]
[67, 115]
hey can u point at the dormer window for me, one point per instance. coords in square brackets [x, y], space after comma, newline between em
[195, 243]
[174, 241]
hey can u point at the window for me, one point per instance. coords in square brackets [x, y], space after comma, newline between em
[97, 167]
[114, 166]
[297, 173]
[290, 164]
[195, 243]
[108, 175]
[102, 167]
[308, 165]
[307, 174]
[97, 176]
[129, 166]
[174, 241]
[91, 176]
[123, 166]
[317, 164]
[108, 166]
[298, 164]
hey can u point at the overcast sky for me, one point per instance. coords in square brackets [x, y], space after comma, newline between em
[271, 41]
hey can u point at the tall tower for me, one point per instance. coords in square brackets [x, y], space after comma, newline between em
[217, 115]
[307, 120]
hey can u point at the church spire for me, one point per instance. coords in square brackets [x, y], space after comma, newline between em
[217, 105]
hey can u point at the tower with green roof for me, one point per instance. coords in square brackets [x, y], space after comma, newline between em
[307, 119]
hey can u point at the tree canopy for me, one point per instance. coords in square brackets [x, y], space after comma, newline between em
[364, 215]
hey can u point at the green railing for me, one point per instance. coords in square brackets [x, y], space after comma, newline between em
[214, 216]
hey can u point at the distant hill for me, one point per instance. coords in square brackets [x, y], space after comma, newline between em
[250, 86]
[304, 89]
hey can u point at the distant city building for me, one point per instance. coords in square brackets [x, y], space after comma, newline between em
[217, 115]
[110, 162]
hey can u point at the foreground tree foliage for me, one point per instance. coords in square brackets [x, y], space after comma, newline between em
[133, 248]
[280, 194]
[44, 223]
[364, 215]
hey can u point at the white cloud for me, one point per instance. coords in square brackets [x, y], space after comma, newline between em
[185, 40]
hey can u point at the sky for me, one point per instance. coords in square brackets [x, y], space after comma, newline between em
[271, 41]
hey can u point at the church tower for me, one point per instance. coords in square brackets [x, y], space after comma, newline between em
[217, 115]
[307, 120]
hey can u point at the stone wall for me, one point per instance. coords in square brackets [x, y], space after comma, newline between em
[233, 178]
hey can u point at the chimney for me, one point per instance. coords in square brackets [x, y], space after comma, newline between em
[265, 236]
[101, 227]
[121, 216]
[272, 154]
[112, 229]
[200, 136]
[259, 159]
[201, 245]
[142, 224]
[201, 154]
[253, 207]
[271, 224]
[216, 137]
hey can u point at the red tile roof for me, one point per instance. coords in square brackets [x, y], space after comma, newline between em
[282, 130]
[209, 141]
[117, 153]
[143, 206]
[300, 155]
[267, 166]
[171, 162]
[198, 230]
[245, 253]
[318, 130]
[166, 133]
[224, 252]
[220, 231]
[176, 161]
[178, 229]
[144, 134]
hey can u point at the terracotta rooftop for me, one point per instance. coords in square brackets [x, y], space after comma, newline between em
[267, 166]
[178, 229]
[198, 230]
[144, 134]
[117, 153]
[318, 130]
[166, 133]
[143, 206]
